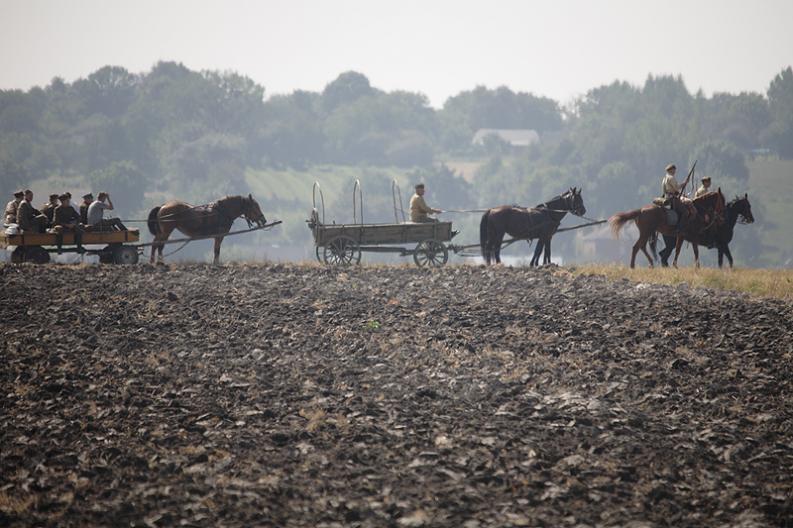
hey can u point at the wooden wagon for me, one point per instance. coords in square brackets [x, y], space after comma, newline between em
[36, 247]
[342, 244]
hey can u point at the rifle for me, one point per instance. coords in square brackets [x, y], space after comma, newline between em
[690, 173]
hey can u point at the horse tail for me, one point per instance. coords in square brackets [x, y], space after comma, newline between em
[483, 233]
[154, 224]
[618, 220]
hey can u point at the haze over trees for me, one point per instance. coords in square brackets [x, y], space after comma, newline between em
[195, 134]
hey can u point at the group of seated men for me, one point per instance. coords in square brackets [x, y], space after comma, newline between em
[59, 215]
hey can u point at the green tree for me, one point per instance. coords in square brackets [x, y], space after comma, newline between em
[124, 182]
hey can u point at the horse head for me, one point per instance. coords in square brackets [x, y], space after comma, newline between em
[744, 208]
[252, 212]
[575, 203]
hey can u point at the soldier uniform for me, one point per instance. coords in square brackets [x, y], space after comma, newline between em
[669, 186]
[65, 216]
[28, 218]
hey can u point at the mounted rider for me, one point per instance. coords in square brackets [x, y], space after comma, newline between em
[704, 188]
[672, 195]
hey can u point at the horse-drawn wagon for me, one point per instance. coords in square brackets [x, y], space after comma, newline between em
[36, 247]
[342, 244]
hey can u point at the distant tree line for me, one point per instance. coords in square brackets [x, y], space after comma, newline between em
[172, 128]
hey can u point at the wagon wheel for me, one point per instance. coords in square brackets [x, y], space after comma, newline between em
[125, 255]
[430, 253]
[342, 251]
[35, 254]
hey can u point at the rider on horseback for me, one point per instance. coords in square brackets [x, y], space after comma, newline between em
[671, 193]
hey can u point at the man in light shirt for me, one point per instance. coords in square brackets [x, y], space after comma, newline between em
[97, 209]
[419, 210]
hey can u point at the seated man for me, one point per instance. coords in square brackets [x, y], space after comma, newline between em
[671, 191]
[29, 219]
[87, 200]
[704, 188]
[419, 210]
[97, 209]
[65, 218]
[10, 214]
[48, 209]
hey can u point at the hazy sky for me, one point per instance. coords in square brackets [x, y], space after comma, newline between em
[554, 48]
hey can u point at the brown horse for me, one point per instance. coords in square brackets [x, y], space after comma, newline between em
[652, 218]
[211, 220]
[521, 223]
[718, 237]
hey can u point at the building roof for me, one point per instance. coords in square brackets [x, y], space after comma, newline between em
[517, 137]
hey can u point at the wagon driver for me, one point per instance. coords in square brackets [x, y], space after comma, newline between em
[419, 210]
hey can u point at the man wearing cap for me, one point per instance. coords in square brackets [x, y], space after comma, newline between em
[704, 188]
[669, 187]
[419, 210]
[65, 218]
[10, 214]
[48, 209]
[87, 199]
[97, 209]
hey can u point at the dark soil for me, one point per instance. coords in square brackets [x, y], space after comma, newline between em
[281, 395]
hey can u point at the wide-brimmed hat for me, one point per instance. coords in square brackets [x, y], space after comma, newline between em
[671, 166]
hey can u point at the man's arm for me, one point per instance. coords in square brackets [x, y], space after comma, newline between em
[109, 203]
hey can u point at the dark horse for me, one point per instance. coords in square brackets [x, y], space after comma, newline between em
[521, 223]
[211, 220]
[719, 237]
[652, 218]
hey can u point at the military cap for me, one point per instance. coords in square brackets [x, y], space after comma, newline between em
[419, 186]
[88, 196]
[53, 196]
[28, 191]
[64, 196]
[671, 166]
[19, 193]
[706, 178]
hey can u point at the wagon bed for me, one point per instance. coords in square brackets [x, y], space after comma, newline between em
[36, 247]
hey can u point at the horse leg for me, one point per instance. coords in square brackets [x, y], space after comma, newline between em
[218, 241]
[678, 245]
[729, 255]
[535, 259]
[546, 258]
[159, 242]
[640, 243]
[695, 247]
[497, 246]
